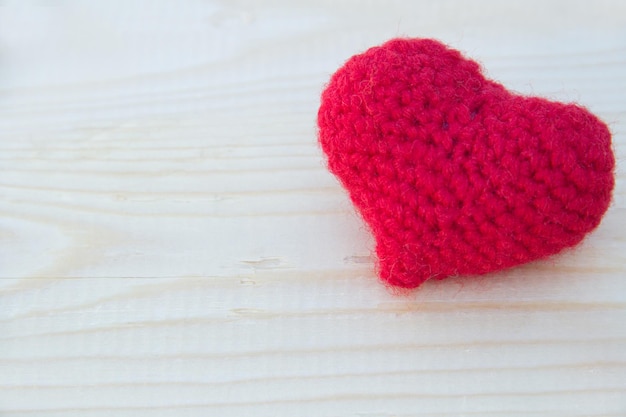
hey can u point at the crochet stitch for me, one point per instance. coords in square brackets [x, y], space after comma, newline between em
[454, 174]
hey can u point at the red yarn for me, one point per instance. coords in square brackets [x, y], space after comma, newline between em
[453, 173]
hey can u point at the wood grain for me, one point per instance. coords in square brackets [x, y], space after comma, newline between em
[172, 244]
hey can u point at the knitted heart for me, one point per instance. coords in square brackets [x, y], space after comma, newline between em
[453, 173]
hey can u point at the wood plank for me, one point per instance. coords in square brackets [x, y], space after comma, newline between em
[173, 245]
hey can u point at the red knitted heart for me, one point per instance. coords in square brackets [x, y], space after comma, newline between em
[453, 173]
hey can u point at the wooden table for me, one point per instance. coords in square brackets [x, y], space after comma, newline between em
[173, 245]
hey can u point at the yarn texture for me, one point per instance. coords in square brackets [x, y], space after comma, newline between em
[454, 174]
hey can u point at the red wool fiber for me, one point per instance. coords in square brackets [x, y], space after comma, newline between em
[454, 174]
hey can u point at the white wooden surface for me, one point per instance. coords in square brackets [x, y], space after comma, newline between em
[171, 243]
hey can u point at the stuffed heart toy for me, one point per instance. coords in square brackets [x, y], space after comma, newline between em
[454, 174]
